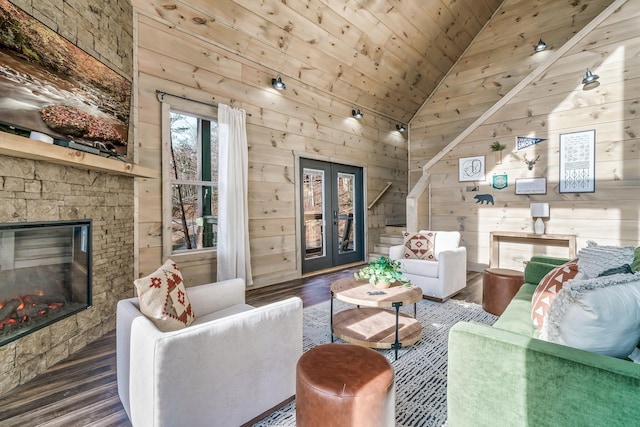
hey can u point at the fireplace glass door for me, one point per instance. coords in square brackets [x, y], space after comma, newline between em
[45, 274]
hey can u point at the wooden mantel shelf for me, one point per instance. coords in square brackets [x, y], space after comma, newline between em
[19, 146]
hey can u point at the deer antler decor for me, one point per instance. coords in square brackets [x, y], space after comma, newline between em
[531, 163]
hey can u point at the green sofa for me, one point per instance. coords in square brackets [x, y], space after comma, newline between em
[502, 375]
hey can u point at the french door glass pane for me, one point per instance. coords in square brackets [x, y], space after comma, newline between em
[346, 225]
[314, 203]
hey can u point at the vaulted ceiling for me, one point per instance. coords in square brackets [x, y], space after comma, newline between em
[384, 56]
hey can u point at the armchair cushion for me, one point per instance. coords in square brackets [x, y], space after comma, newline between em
[163, 298]
[419, 245]
[446, 241]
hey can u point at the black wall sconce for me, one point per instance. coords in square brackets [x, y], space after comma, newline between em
[540, 46]
[400, 127]
[278, 84]
[357, 114]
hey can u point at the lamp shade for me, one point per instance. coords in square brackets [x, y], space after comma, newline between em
[539, 210]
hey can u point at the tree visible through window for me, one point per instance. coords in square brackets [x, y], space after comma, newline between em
[194, 186]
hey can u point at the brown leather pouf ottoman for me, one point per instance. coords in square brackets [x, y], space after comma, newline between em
[499, 286]
[344, 385]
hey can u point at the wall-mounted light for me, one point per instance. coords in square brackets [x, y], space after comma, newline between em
[540, 46]
[589, 80]
[400, 127]
[278, 84]
[357, 113]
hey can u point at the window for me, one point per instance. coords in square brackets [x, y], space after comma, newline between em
[192, 177]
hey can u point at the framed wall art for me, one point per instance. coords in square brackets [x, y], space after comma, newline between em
[531, 185]
[577, 162]
[50, 86]
[471, 168]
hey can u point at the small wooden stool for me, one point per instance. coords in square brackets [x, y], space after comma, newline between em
[344, 385]
[499, 286]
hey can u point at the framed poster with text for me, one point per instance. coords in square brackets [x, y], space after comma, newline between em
[578, 162]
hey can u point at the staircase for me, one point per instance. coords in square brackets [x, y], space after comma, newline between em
[392, 236]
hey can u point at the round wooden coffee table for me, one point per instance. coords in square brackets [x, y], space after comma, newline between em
[375, 325]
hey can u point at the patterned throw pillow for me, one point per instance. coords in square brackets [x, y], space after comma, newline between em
[163, 298]
[594, 258]
[548, 288]
[419, 245]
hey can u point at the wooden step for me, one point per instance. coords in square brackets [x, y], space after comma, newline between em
[394, 231]
[391, 240]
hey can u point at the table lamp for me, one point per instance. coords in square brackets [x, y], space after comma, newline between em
[539, 210]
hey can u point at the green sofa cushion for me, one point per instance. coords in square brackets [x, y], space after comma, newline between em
[517, 316]
[635, 265]
[539, 266]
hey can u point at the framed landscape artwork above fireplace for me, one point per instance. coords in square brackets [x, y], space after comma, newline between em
[50, 86]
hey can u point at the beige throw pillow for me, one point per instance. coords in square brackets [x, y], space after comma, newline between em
[163, 298]
[419, 245]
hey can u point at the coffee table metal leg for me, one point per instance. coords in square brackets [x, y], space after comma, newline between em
[331, 317]
[396, 345]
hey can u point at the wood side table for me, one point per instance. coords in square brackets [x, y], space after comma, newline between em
[375, 325]
[495, 237]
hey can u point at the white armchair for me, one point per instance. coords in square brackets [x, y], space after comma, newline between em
[233, 364]
[442, 278]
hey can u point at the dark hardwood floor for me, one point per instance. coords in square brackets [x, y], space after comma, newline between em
[82, 390]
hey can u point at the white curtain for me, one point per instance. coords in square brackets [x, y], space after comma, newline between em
[233, 214]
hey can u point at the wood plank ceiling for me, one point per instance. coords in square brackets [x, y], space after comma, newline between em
[384, 56]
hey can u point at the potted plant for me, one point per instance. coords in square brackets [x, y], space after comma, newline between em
[497, 148]
[382, 272]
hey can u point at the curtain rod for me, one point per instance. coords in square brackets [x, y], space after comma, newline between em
[160, 95]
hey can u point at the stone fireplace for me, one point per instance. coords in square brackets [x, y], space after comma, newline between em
[46, 184]
[33, 191]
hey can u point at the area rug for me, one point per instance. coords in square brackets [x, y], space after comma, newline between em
[421, 369]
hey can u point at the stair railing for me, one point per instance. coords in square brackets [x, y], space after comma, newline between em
[379, 195]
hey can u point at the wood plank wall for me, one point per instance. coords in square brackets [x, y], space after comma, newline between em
[554, 104]
[175, 55]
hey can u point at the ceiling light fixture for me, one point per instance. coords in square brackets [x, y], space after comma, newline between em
[357, 113]
[590, 80]
[589, 77]
[278, 84]
[400, 127]
[540, 46]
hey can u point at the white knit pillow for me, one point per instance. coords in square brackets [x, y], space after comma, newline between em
[601, 315]
[595, 259]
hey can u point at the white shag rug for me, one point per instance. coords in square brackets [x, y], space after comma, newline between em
[421, 369]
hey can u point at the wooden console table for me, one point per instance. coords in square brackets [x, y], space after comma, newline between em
[497, 236]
